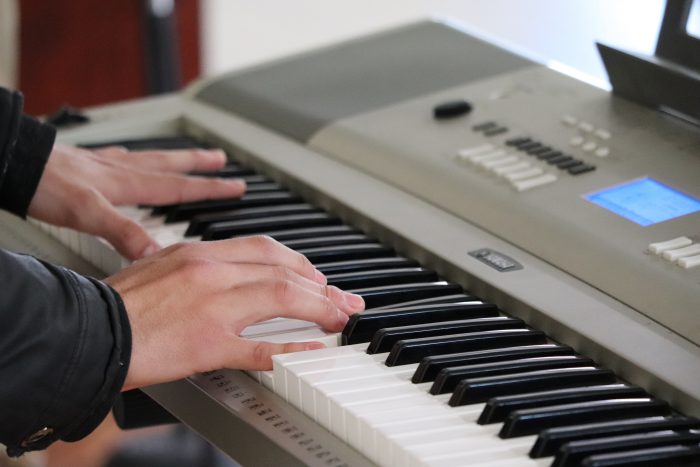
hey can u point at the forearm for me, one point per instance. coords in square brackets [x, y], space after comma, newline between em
[64, 352]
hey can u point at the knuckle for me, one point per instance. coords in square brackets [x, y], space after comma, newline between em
[282, 291]
[282, 274]
[265, 245]
[197, 270]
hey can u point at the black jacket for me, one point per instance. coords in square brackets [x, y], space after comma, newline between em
[65, 340]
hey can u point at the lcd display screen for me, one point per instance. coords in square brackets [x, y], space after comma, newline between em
[645, 201]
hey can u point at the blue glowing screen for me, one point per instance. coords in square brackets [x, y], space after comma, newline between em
[645, 201]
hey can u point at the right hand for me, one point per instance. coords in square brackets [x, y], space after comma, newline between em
[188, 304]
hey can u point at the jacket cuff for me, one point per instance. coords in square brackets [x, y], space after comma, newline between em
[96, 373]
[27, 156]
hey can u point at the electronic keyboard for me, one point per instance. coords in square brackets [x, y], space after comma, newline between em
[528, 247]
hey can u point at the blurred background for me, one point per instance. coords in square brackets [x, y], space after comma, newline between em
[84, 53]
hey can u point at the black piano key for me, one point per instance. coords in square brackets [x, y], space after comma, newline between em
[230, 171]
[362, 326]
[668, 456]
[530, 421]
[282, 235]
[572, 454]
[333, 240]
[413, 350]
[185, 211]
[200, 222]
[384, 339]
[382, 296]
[452, 298]
[337, 267]
[345, 252]
[550, 440]
[144, 144]
[498, 408]
[448, 378]
[228, 229]
[473, 390]
[429, 367]
[381, 277]
[268, 187]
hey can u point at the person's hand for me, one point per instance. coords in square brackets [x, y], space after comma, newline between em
[188, 304]
[79, 189]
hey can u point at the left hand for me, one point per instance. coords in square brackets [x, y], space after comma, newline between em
[80, 189]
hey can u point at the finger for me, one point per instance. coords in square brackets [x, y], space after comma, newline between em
[100, 218]
[136, 186]
[255, 355]
[266, 300]
[257, 249]
[245, 274]
[179, 160]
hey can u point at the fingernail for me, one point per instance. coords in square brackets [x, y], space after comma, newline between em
[320, 277]
[217, 154]
[343, 318]
[149, 250]
[355, 302]
[314, 346]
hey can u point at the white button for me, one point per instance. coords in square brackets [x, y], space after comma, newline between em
[569, 120]
[659, 247]
[602, 134]
[523, 174]
[589, 146]
[602, 152]
[534, 182]
[466, 152]
[576, 141]
[585, 126]
[520, 166]
[673, 255]
[501, 161]
[479, 158]
[689, 262]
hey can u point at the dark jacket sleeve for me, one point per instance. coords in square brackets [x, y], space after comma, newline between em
[65, 345]
[65, 340]
[25, 145]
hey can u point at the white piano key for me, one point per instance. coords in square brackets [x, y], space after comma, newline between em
[331, 404]
[274, 326]
[365, 379]
[315, 334]
[300, 383]
[379, 395]
[284, 364]
[476, 450]
[372, 427]
[388, 436]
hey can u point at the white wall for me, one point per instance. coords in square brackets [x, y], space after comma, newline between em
[239, 33]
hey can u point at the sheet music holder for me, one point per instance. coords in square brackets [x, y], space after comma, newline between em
[670, 79]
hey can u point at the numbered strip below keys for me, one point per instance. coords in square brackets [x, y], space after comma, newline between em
[519, 172]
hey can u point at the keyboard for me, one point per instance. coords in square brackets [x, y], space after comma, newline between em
[429, 374]
[519, 312]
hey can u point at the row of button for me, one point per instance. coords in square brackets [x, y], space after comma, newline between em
[550, 155]
[490, 128]
[520, 173]
[590, 139]
[681, 251]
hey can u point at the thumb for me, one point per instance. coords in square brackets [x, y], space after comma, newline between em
[252, 355]
[128, 238]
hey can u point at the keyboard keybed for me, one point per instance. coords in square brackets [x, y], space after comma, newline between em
[429, 374]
